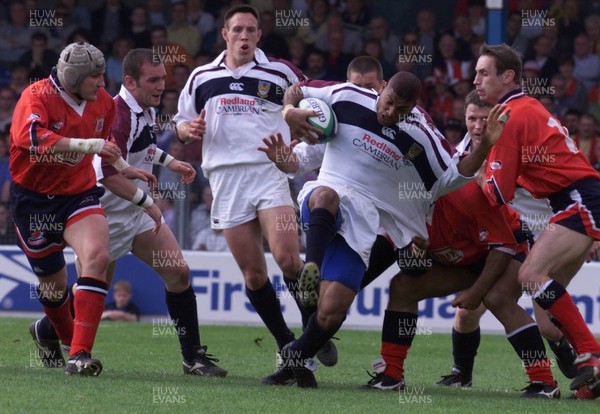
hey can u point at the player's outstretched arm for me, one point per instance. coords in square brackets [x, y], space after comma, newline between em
[495, 265]
[185, 169]
[127, 190]
[281, 154]
[492, 130]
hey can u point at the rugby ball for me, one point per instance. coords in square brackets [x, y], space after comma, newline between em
[325, 121]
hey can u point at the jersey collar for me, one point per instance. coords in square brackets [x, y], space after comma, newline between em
[514, 94]
[133, 104]
[259, 58]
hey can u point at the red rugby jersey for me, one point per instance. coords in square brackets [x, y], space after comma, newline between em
[535, 149]
[42, 116]
[465, 226]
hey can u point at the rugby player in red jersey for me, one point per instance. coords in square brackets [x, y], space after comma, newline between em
[536, 152]
[59, 123]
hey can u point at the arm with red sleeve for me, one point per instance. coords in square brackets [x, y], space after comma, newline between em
[504, 162]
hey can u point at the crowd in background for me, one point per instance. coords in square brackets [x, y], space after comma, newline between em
[437, 41]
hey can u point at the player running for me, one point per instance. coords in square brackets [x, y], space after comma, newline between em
[229, 104]
[536, 152]
[134, 221]
[58, 123]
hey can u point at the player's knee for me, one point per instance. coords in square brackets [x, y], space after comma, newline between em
[324, 198]
[467, 320]
[403, 287]
[254, 279]
[180, 275]
[527, 276]
[96, 260]
[495, 301]
[286, 262]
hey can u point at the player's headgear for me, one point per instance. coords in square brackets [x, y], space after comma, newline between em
[77, 61]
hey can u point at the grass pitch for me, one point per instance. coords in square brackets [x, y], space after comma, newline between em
[143, 374]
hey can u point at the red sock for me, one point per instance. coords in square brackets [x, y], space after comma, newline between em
[540, 371]
[394, 356]
[62, 321]
[573, 326]
[89, 305]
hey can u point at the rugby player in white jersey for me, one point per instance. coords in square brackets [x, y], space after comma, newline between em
[229, 104]
[383, 142]
[134, 221]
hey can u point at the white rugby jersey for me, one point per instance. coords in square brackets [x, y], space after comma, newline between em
[133, 131]
[242, 106]
[402, 168]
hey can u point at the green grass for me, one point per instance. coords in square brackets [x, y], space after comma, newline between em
[136, 362]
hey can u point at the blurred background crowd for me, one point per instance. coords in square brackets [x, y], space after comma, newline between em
[438, 41]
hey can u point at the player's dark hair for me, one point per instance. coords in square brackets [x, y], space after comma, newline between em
[365, 64]
[506, 59]
[135, 58]
[405, 86]
[240, 9]
[474, 99]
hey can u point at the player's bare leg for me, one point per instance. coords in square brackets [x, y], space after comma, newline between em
[180, 297]
[246, 244]
[89, 239]
[560, 252]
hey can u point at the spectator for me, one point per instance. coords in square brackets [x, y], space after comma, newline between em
[461, 89]
[109, 22]
[122, 309]
[569, 25]
[477, 16]
[19, 79]
[571, 121]
[454, 132]
[336, 60]
[140, 32]
[441, 108]
[273, 44]
[181, 74]
[205, 22]
[317, 22]
[463, 33]
[573, 88]
[562, 102]
[78, 13]
[79, 35]
[448, 69]
[171, 53]
[352, 41]
[180, 31]
[8, 99]
[592, 29]
[356, 17]
[315, 65]
[412, 59]
[114, 64]
[15, 37]
[297, 49]
[515, 38]
[8, 235]
[389, 41]
[372, 48]
[587, 65]
[39, 59]
[69, 23]
[587, 138]
[158, 14]
[546, 65]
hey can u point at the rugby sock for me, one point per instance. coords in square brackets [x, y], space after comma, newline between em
[266, 304]
[464, 350]
[59, 314]
[399, 329]
[89, 305]
[383, 255]
[321, 231]
[313, 339]
[184, 314]
[553, 298]
[294, 289]
[529, 345]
